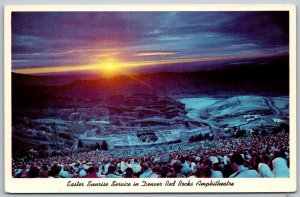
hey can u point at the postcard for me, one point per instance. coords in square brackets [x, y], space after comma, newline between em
[150, 99]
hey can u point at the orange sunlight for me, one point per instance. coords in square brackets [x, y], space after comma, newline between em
[110, 66]
[113, 66]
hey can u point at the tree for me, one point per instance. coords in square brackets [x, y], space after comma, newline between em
[97, 146]
[19, 148]
[104, 145]
[65, 136]
[200, 137]
[276, 130]
[80, 144]
[196, 138]
[212, 137]
[240, 133]
[264, 133]
[54, 153]
[42, 147]
[42, 153]
[192, 139]
[206, 136]
[285, 127]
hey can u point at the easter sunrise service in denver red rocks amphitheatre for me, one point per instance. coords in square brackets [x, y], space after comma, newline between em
[198, 94]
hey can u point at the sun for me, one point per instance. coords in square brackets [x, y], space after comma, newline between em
[110, 66]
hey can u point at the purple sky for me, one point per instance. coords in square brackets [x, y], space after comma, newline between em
[51, 40]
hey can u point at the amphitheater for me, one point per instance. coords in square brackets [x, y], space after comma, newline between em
[123, 140]
[144, 120]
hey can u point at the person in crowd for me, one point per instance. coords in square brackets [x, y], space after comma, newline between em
[20, 171]
[92, 172]
[112, 172]
[166, 168]
[264, 171]
[106, 166]
[206, 171]
[156, 172]
[216, 171]
[122, 165]
[255, 161]
[44, 171]
[33, 172]
[237, 163]
[72, 172]
[146, 171]
[177, 166]
[186, 169]
[54, 171]
[82, 173]
[242, 157]
[280, 168]
[129, 173]
[197, 173]
[136, 167]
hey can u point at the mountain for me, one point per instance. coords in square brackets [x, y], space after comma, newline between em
[261, 78]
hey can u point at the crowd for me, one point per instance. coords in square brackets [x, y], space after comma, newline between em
[258, 156]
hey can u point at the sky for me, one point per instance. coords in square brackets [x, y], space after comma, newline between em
[60, 42]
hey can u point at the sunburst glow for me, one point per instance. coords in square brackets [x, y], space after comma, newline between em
[110, 66]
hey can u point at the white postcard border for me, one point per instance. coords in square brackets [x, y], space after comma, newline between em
[52, 185]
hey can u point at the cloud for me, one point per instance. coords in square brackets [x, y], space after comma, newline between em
[98, 66]
[49, 39]
[156, 53]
